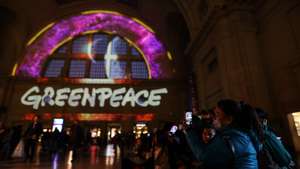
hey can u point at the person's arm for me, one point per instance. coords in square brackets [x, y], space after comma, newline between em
[40, 130]
[25, 135]
[195, 144]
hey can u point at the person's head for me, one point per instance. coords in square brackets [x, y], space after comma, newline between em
[226, 111]
[35, 118]
[167, 126]
[210, 118]
[196, 123]
[155, 130]
[180, 126]
[237, 114]
[207, 134]
[262, 115]
[204, 114]
[138, 141]
[75, 121]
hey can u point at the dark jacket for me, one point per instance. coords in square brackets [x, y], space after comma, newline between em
[230, 149]
[33, 131]
[243, 150]
[77, 136]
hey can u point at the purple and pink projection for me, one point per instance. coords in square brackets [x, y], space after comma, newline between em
[153, 50]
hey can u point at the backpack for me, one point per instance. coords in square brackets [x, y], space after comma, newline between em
[265, 160]
[273, 154]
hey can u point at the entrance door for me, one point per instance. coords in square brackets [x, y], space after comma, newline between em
[139, 129]
[112, 132]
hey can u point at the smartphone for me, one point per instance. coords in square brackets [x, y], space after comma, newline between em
[188, 118]
[173, 129]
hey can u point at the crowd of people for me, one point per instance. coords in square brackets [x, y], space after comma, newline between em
[9, 138]
[22, 140]
[232, 135]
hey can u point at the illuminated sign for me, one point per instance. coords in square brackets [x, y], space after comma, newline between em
[58, 124]
[119, 97]
[188, 118]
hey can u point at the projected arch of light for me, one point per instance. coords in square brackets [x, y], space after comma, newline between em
[44, 44]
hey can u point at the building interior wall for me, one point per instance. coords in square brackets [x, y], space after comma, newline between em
[245, 50]
[257, 49]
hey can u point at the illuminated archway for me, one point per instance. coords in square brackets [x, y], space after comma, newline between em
[56, 34]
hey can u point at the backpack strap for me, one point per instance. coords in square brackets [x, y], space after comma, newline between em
[231, 147]
[229, 144]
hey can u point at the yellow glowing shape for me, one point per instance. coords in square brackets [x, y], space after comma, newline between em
[89, 50]
[90, 32]
[13, 73]
[100, 11]
[96, 31]
[169, 56]
[39, 33]
[60, 44]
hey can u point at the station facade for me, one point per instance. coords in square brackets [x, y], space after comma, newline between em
[113, 62]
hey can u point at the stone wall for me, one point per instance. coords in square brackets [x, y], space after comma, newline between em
[256, 45]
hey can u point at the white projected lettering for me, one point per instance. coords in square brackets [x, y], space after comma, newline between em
[119, 97]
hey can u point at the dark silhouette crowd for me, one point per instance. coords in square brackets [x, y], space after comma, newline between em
[9, 138]
[232, 135]
[21, 141]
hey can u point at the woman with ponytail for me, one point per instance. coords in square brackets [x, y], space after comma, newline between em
[236, 142]
[241, 131]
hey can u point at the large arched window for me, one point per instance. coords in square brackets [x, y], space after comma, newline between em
[97, 56]
[128, 49]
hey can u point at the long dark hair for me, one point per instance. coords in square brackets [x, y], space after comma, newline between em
[244, 116]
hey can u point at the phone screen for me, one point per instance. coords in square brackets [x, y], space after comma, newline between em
[173, 129]
[188, 118]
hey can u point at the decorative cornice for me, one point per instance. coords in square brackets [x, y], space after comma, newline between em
[185, 10]
[218, 10]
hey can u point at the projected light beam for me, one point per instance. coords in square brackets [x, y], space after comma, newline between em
[108, 57]
[65, 30]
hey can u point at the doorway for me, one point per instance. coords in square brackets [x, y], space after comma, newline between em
[112, 131]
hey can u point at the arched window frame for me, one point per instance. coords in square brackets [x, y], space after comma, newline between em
[68, 56]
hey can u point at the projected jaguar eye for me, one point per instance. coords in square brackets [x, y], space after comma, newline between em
[47, 99]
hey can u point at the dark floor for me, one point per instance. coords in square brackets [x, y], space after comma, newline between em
[94, 157]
